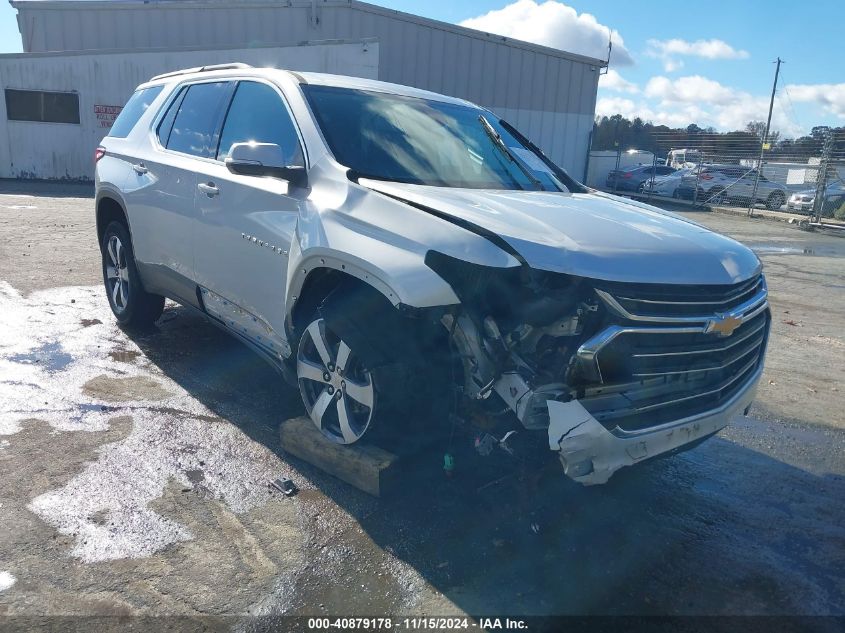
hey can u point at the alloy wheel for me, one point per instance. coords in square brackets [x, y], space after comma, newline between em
[336, 387]
[117, 273]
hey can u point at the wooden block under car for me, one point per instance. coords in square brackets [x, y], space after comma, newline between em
[367, 467]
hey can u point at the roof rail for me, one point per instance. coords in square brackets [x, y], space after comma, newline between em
[202, 69]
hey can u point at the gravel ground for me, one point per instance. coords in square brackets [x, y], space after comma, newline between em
[136, 472]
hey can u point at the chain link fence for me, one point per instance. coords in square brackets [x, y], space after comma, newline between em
[805, 176]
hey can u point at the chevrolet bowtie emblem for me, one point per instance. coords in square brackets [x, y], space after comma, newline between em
[723, 325]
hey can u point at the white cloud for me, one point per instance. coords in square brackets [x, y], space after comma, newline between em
[608, 106]
[553, 24]
[612, 80]
[691, 89]
[696, 99]
[670, 51]
[830, 96]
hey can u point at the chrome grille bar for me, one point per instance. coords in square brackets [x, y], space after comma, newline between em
[712, 302]
[710, 350]
[738, 311]
[645, 370]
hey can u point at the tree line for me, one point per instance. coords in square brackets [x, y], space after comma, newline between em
[619, 133]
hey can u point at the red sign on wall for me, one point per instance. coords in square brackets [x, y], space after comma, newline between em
[106, 114]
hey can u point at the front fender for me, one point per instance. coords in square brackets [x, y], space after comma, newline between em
[379, 240]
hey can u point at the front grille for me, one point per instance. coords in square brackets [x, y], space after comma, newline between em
[658, 363]
[671, 301]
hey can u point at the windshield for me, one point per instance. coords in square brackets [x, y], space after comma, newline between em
[427, 142]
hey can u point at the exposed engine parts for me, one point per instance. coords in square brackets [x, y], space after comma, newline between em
[522, 349]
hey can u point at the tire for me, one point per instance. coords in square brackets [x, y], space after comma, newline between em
[775, 200]
[131, 305]
[716, 197]
[362, 371]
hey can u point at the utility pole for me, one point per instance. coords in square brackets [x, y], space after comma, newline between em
[765, 139]
[821, 179]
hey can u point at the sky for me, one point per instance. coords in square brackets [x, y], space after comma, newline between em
[674, 62]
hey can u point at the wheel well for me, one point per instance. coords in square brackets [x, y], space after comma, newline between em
[109, 210]
[319, 284]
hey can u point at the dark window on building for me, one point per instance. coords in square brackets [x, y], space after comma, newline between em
[195, 130]
[41, 106]
[257, 113]
[133, 110]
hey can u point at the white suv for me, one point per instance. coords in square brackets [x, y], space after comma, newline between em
[407, 258]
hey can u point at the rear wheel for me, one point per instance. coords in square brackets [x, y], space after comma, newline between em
[129, 302]
[775, 200]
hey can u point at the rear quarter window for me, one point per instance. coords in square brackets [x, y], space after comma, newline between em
[133, 111]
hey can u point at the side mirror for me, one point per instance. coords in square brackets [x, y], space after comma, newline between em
[264, 159]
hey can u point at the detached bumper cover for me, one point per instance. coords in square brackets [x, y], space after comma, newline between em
[590, 453]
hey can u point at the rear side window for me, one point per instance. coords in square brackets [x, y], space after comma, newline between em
[258, 114]
[133, 110]
[195, 127]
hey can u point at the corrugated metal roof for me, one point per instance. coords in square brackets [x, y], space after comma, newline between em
[78, 5]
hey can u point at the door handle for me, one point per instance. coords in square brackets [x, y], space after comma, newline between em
[208, 189]
[140, 168]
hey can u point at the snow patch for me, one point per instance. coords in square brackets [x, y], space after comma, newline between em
[6, 580]
[55, 341]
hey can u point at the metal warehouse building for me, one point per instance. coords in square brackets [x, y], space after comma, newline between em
[83, 59]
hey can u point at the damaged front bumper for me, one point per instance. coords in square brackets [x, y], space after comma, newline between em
[590, 453]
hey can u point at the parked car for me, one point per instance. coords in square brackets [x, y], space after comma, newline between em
[634, 178]
[666, 185]
[731, 184]
[803, 201]
[408, 260]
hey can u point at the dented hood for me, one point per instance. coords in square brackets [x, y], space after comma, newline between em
[593, 235]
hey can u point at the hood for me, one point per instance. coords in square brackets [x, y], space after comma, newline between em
[593, 235]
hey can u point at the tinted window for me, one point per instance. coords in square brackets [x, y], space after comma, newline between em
[195, 128]
[258, 114]
[41, 106]
[166, 123]
[663, 171]
[132, 111]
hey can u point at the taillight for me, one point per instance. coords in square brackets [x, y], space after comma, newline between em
[627, 174]
[705, 177]
[99, 153]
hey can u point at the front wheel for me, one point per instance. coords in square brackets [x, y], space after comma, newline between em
[717, 197]
[337, 387]
[130, 303]
[363, 369]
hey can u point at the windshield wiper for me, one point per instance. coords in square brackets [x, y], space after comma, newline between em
[500, 144]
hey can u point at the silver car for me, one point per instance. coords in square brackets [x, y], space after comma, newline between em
[731, 184]
[409, 260]
[804, 201]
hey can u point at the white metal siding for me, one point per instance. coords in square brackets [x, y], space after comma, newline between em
[60, 150]
[552, 91]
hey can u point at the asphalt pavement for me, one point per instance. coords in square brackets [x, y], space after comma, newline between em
[136, 468]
